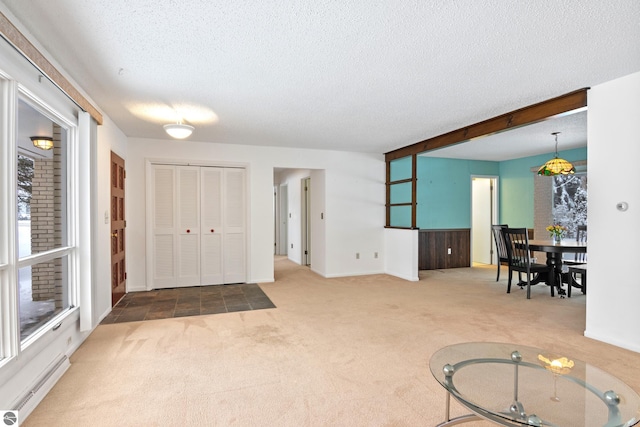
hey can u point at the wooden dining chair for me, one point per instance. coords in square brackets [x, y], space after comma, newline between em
[578, 267]
[501, 247]
[519, 258]
[578, 258]
[575, 271]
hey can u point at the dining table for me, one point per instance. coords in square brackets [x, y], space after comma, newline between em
[554, 251]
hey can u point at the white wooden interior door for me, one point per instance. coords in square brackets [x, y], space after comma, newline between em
[234, 197]
[199, 226]
[212, 228]
[164, 227]
[189, 226]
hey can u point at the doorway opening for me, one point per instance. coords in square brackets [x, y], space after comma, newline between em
[306, 221]
[281, 218]
[484, 213]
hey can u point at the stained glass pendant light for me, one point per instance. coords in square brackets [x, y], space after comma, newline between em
[556, 166]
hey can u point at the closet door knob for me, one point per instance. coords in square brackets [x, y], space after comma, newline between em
[212, 230]
[188, 231]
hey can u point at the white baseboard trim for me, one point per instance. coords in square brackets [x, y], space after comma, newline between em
[618, 343]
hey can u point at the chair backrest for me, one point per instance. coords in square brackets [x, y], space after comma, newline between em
[581, 234]
[501, 246]
[517, 242]
[581, 237]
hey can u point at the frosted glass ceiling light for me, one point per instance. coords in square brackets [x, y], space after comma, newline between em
[178, 130]
[556, 166]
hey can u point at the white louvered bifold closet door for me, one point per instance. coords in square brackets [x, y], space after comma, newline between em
[234, 197]
[212, 229]
[189, 226]
[164, 223]
[199, 226]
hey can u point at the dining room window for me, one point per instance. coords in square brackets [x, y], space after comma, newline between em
[569, 194]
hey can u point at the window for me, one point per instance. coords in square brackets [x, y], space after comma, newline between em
[36, 250]
[42, 220]
[570, 201]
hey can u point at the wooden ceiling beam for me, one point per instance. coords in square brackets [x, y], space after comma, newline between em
[524, 116]
[13, 36]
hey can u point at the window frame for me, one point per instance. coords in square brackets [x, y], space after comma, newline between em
[12, 92]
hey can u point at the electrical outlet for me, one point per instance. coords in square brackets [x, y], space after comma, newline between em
[375, 254]
[449, 251]
[357, 255]
[292, 246]
[69, 341]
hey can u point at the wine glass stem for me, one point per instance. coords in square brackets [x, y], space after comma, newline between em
[555, 397]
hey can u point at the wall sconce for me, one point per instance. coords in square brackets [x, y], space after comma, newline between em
[42, 142]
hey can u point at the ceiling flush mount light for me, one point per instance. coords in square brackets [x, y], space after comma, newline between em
[178, 130]
[42, 142]
[556, 166]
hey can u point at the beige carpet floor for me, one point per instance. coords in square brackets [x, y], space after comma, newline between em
[335, 352]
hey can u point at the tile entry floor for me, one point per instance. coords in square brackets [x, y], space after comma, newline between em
[193, 301]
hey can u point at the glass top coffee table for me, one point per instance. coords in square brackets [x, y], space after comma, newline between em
[515, 385]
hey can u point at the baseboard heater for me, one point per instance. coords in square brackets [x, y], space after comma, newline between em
[27, 403]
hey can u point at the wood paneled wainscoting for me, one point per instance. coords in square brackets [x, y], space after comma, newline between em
[450, 248]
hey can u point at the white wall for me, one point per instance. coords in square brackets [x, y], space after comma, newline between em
[318, 224]
[614, 146]
[354, 196]
[401, 258]
[354, 219]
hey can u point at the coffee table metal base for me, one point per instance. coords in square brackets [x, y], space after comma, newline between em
[621, 409]
[457, 420]
[477, 415]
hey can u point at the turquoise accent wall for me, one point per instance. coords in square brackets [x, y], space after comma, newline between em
[516, 186]
[444, 190]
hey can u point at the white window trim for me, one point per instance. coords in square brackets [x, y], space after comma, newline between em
[10, 344]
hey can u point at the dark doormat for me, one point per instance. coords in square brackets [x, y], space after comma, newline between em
[193, 301]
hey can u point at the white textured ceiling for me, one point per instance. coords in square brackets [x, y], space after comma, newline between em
[348, 75]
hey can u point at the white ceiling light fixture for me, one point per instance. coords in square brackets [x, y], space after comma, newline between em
[178, 130]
